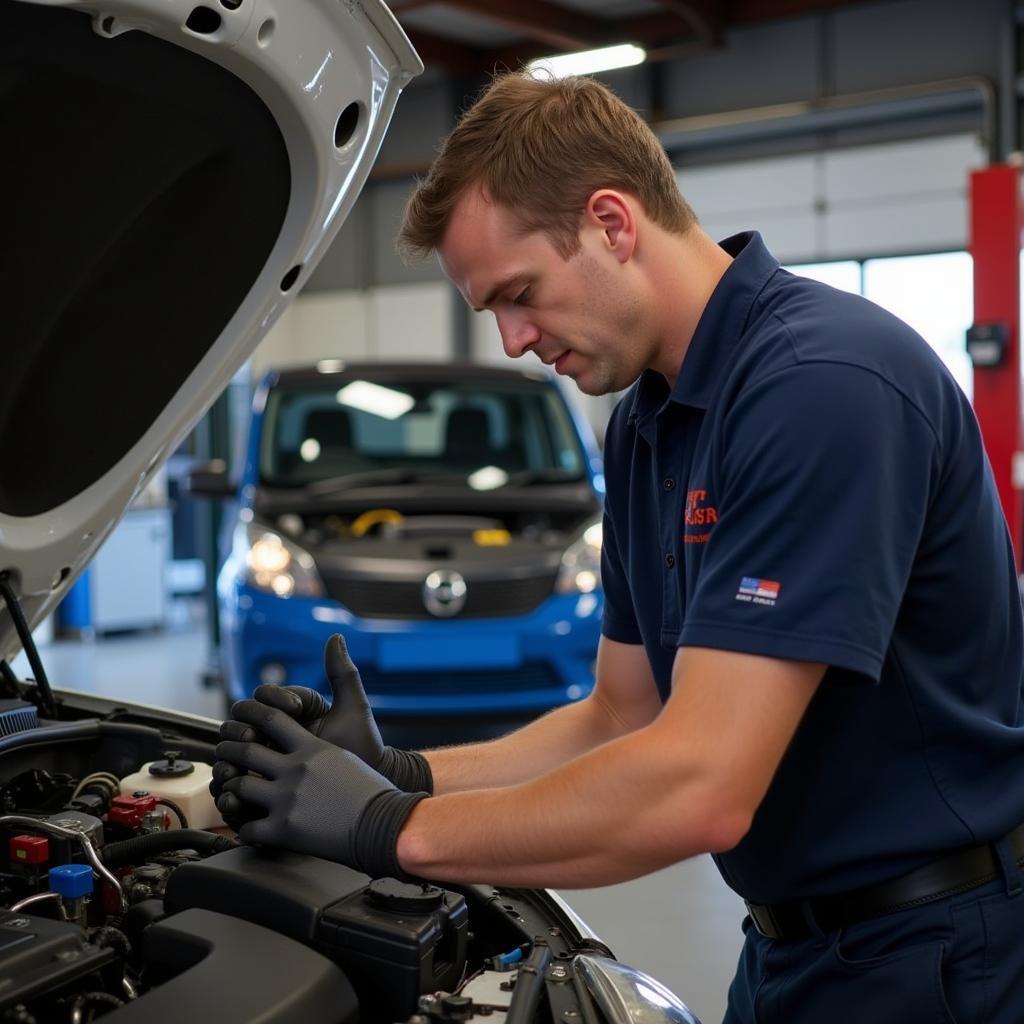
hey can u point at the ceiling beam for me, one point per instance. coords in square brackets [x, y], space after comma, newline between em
[559, 28]
[680, 28]
[704, 18]
[445, 53]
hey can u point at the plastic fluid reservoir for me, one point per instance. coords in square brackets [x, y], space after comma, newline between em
[186, 783]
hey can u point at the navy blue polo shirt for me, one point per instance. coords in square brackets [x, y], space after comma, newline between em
[814, 487]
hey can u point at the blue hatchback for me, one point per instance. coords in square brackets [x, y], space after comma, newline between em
[444, 518]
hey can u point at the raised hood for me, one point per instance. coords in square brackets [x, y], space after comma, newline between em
[172, 171]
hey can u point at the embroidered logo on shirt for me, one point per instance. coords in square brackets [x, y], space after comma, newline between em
[698, 513]
[758, 591]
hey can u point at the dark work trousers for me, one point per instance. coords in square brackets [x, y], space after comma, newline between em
[956, 961]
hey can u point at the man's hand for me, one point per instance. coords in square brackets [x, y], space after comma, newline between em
[318, 798]
[346, 722]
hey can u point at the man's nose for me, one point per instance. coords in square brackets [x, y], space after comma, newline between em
[518, 334]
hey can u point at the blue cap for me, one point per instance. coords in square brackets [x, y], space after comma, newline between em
[71, 880]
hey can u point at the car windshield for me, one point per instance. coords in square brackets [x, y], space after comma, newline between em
[356, 433]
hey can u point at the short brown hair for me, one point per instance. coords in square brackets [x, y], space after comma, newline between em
[542, 148]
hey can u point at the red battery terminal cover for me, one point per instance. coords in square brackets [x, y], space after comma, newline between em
[130, 811]
[29, 849]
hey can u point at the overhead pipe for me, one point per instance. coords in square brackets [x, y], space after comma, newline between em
[804, 117]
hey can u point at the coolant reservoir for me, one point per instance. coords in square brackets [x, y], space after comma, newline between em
[186, 783]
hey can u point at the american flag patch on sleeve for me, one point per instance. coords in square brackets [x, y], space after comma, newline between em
[758, 591]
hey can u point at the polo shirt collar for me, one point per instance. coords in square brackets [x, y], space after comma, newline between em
[719, 328]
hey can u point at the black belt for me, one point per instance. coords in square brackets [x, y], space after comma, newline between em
[955, 873]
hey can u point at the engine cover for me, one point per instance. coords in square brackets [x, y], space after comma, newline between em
[39, 955]
[395, 941]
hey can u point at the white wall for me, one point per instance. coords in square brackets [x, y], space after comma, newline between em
[877, 200]
[396, 322]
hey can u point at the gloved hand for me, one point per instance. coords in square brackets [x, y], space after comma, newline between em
[318, 798]
[347, 722]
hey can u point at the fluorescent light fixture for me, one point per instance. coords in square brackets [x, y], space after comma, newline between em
[372, 398]
[588, 61]
[330, 366]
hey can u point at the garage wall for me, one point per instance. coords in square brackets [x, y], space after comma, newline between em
[888, 187]
[884, 44]
[891, 199]
[411, 321]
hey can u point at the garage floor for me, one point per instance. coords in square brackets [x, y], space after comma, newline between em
[681, 925]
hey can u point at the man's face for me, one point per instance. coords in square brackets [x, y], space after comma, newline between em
[581, 315]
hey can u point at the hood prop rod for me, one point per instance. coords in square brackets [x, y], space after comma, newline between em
[46, 699]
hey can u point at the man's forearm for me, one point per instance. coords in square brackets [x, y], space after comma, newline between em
[527, 753]
[610, 815]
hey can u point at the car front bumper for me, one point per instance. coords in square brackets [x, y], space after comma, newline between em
[493, 666]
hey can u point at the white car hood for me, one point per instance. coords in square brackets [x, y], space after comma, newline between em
[172, 163]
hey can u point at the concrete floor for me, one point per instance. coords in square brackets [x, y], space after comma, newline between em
[681, 925]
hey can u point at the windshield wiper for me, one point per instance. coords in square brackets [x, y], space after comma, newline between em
[551, 475]
[368, 478]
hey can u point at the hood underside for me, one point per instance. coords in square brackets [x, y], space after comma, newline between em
[174, 172]
[116, 214]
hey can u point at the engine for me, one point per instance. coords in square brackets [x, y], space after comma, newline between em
[113, 904]
[93, 864]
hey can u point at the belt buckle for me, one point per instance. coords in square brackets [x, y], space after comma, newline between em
[764, 920]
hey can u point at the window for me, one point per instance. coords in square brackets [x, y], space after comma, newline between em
[427, 429]
[935, 295]
[932, 293]
[844, 274]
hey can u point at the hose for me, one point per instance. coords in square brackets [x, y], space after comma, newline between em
[112, 938]
[171, 805]
[10, 680]
[46, 699]
[111, 782]
[135, 851]
[529, 987]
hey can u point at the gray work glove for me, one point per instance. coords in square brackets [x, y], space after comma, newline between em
[316, 797]
[346, 722]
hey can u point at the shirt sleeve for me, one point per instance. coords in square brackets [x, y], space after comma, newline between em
[826, 472]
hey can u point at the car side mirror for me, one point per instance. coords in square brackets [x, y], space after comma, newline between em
[210, 480]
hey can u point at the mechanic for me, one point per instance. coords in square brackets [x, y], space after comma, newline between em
[811, 662]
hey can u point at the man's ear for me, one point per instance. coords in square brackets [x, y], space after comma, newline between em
[612, 213]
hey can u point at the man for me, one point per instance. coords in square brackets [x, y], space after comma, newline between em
[811, 660]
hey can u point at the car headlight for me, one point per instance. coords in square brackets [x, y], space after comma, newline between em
[580, 572]
[274, 564]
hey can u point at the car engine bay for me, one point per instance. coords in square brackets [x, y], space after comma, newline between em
[112, 903]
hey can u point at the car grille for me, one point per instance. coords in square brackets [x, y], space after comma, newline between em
[485, 599]
[528, 677]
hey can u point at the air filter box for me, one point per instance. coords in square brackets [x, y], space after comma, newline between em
[394, 940]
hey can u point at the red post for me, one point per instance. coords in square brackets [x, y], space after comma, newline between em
[997, 220]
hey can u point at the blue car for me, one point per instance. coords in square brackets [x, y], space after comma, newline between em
[446, 519]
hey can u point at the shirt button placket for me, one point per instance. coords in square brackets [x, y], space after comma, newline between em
[670, 528]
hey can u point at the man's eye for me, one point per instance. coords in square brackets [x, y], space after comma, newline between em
[522, 297]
